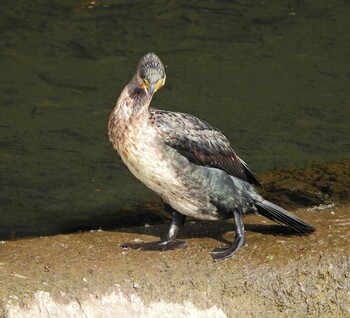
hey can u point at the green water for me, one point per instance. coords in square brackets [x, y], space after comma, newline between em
[273, 75]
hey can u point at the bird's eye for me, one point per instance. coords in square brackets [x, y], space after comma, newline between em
[145, 82]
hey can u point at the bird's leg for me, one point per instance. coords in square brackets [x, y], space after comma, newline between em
[169, 243]
[223, 252]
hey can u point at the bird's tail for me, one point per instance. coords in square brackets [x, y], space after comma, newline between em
[282, 216]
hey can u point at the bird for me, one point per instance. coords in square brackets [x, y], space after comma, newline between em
[187, 162]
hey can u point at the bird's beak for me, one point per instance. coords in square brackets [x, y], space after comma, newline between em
[152, 88]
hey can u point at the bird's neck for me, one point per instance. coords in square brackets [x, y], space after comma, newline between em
[133, 102]
[130, 111]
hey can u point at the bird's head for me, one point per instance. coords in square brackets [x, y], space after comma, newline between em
[150, 73]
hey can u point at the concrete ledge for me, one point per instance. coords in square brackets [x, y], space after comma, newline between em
[275, 273]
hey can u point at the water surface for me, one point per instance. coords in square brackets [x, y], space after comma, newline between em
[274, 76]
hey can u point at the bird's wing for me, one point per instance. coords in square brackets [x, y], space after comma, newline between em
[200, 143]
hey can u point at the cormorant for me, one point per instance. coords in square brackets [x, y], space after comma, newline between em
[187, 162]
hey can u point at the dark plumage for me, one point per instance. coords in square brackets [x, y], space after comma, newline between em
[200, 143]
[187, 162]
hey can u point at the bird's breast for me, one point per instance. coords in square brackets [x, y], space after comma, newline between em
[145, 154]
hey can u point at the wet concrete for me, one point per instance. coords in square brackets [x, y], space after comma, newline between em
[276, 272]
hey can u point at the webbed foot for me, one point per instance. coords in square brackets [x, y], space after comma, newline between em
[223, 252]
[155, 246]
[169, 243]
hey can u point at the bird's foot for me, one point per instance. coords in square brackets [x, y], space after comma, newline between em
[155, 246]
[223, 252]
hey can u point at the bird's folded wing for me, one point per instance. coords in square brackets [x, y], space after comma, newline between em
[200, 143]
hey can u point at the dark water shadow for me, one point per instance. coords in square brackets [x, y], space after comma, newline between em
[154, 222]
[109, 220]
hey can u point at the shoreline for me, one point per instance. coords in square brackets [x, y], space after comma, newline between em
[291, 188]
[88, 275]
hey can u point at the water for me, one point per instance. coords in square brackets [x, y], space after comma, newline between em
[274, 76]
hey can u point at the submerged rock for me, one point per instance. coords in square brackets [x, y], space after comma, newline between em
[319, 183]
